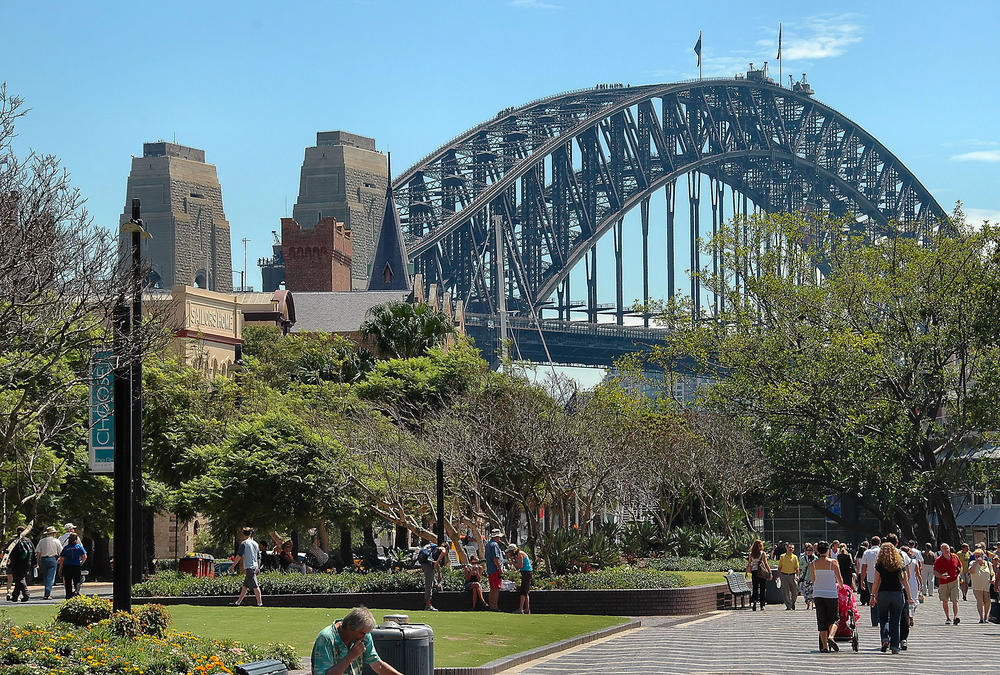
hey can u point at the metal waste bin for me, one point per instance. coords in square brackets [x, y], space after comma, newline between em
[772, 592]
[407, 647]
[197, 564]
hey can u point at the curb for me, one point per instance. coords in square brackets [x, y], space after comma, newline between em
[507, 662]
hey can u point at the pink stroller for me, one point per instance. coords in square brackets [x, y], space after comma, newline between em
[847, 629]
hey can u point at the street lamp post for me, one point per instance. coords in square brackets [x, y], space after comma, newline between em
[440, 501]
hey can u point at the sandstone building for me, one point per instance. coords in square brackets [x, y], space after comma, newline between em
[344, 177]
[181, 202]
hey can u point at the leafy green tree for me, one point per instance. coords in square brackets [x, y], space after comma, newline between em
[401, 330]
[868, 366]
[307, 358]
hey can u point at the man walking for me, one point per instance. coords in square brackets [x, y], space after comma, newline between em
[788, 567]
[249, 555]
[431, 557]
[867, 574]
[22, 559]
[964, 554]
[494, 568]
[47, 555]
[946, 569]
[70, 529]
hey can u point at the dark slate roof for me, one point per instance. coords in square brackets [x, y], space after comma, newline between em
[390, 250]
[338, 311]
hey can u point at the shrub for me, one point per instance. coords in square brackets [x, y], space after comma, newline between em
[153, 619]
[621, 577]
[568, 550]
[639, 539]
[123, 624]
[695, 564]
[84, 610]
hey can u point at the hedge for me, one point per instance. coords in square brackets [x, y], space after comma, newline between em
[694, 564]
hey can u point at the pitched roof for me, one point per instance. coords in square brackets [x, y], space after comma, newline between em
[338, 311]
[390, 268]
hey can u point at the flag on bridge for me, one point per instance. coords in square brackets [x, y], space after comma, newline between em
[779, 42]
[697, 50]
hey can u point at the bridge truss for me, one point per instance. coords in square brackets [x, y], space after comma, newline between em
[561, 172]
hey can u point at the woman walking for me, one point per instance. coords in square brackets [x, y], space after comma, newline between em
[759, 571]
[826, 581]
[889, 591]
[927, 571]
[70, 562]
[982, 576]
[522, 563]
[808, 558]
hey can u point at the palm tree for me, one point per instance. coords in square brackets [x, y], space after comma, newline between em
[402, 330]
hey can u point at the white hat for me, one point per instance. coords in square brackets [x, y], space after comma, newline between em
[496, 533]
[511, 548]
[69, 526]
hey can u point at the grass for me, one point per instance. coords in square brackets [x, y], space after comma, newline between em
[460, 638]
[702, 578]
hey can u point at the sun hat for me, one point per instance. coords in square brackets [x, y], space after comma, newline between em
[496, 532]
[49, 530]
[69, 526]
[511, 548]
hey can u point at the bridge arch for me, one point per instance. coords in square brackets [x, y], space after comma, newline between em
[563, 171]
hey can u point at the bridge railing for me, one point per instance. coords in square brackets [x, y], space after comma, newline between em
[576, 327]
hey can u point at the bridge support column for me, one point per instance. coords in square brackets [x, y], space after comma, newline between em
[619, 285]
[592, 286]
[644, 212]
[694, 200]
[671, 195]
[717, 187]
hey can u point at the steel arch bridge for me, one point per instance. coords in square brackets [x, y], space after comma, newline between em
[562, 171]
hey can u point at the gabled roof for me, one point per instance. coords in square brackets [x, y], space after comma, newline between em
[390, 268]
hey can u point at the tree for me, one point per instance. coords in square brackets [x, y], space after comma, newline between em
[402, 330]
[868, 366]
[58, 288]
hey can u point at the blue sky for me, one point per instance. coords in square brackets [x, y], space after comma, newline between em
[252, 82]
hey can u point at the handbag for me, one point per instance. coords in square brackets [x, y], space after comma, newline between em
[762, 572]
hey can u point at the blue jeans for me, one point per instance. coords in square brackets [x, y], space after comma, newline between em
[890, 608]
[47, 570]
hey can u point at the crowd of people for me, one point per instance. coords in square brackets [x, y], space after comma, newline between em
[48, 558]
[891, 577]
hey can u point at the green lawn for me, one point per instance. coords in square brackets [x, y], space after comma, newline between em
[702, 578]
[460, 638]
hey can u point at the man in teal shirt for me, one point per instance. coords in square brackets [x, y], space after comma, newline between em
[346, 646]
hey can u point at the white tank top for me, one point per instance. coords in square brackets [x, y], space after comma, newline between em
[825, 585]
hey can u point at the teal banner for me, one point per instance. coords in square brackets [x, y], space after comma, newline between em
[102, 412]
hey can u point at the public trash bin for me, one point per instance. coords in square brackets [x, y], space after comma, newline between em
[197, 564]
[407, 647]
[772, 592]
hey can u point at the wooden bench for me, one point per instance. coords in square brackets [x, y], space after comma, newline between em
[739, 588]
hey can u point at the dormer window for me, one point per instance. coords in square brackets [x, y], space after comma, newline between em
[387, 274]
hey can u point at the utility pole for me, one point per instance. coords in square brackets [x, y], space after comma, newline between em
[501, 287]
[243, 276]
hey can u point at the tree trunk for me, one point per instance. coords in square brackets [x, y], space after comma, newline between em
[947, 524]
[402, 537]
[346, 552]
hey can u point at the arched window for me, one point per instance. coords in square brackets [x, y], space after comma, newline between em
[153, 280]
[387, 274]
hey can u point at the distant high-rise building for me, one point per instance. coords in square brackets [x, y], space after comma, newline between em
[344, 177]
[181, 202]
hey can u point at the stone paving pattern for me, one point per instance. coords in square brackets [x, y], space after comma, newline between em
[779, 641]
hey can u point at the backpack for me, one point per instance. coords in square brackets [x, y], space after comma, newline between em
[23, 552]
[424, 557]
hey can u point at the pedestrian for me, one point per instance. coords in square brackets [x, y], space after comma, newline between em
[474, 582]
[927, 571]
[71, 559]
[889, 590]
[946, 569]
[788, 568]
[805, 561]
[431, 557]
[494, 568]
[759, 571]
[826, 589]
[963, 556]
[346, 647]
[69, 528]
[846, 562]
[22, 561]
[867, 575]
[522, 563]
[248, 555]
[47, 554]
[913, 581]
[981, 576]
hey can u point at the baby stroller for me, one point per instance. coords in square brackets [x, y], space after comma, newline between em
[847, 628]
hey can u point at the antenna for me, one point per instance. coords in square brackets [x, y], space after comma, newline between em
[243, 274]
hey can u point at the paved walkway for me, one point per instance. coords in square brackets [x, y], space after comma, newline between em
[778, 641]
[99, 588]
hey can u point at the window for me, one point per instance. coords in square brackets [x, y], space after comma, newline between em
[387, 274]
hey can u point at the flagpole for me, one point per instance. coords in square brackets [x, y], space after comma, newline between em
[699, 55]
[781, 81]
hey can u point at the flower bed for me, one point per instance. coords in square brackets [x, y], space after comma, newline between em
[117, 645]
[173, 584]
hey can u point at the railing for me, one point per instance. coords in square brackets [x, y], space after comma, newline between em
[574, 327]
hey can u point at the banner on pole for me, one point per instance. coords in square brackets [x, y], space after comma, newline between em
[102, 412]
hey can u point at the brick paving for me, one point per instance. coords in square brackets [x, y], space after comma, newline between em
[778, 641]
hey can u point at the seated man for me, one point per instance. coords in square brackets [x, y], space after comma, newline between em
[346, 647]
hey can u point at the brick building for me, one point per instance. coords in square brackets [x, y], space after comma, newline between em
[344, 177]
[317, 258]
[181, 201]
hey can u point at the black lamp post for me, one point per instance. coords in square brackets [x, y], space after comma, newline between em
[129, 536]
[440, 501]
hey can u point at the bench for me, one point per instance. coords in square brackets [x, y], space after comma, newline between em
[269, 667]
[739, 588]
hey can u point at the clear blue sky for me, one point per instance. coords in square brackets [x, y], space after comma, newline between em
[252, 82]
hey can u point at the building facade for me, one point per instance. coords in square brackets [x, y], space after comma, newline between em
[317, 258]
[181, 202]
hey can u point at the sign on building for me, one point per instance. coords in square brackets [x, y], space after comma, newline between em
[102, 412]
